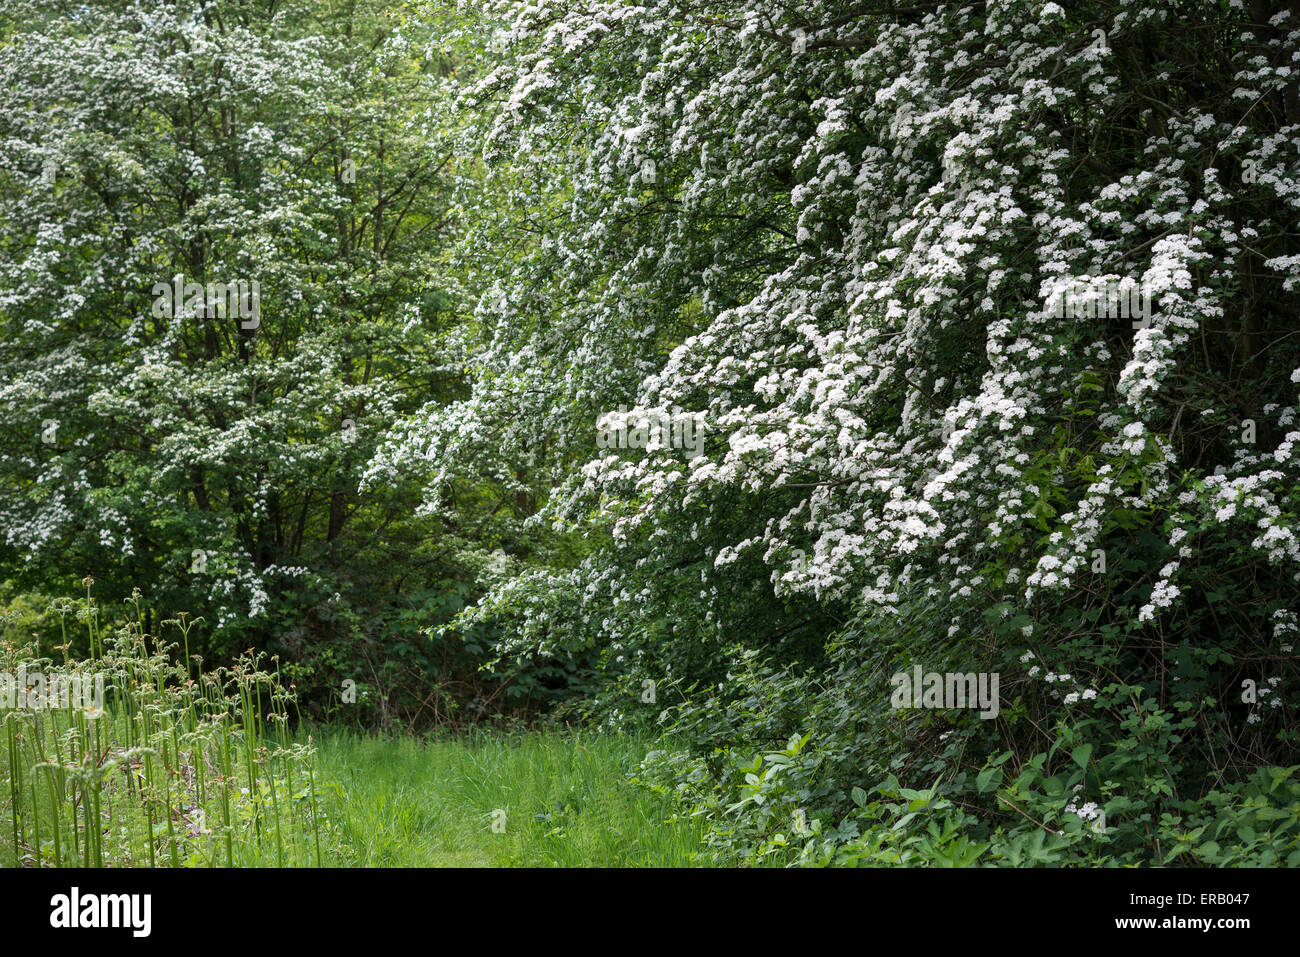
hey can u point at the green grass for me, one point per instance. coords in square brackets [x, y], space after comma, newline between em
[181, 768]
[566, 797]
[407, 802]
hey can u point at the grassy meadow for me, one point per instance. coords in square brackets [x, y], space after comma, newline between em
[178, 767]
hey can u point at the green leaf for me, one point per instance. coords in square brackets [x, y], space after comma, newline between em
[988, 779]
[1081, 754]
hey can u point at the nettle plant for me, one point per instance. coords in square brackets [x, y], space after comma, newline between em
[841, 232]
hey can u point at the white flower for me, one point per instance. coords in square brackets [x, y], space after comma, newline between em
[1089, 811]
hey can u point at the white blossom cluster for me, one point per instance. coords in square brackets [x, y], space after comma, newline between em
[140, 143]
[846, 256]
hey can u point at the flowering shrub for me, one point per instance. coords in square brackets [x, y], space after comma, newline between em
[842, 232]
[217, 292]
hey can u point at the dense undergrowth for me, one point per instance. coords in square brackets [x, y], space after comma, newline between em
[866, 789]
[178, 767]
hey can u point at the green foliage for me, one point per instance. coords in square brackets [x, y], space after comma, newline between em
[815, 767]
[212, 461]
